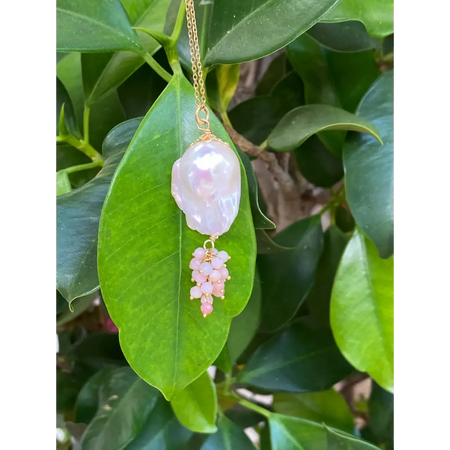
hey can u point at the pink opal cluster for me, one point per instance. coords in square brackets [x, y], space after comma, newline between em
[209, 271]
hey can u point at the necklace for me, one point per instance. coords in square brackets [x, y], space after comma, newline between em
[206, 185]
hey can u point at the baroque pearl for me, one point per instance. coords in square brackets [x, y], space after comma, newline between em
[206, 184]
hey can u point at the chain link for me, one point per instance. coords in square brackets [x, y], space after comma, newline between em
[197, 72]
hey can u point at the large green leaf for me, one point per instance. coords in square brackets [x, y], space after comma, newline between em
[362, 310]
[196, 405]
[144, 266]
[228, 437]
[292, 433]
[376, 15]
[301, 123]
[103, 75]
[301, 358]
[327, 407]
[125, 401]
[100, 26]
[289, 275]
[78, 215]
[162, 431]
[242, 31]
[244, 326]
[369, 171]
[260, 221]
[319, 298]
[344, 37]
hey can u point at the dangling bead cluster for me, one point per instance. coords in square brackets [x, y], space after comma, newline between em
[210, 273]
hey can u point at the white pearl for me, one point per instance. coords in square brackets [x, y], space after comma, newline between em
[206, 184]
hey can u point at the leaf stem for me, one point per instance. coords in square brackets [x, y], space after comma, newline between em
[226, 119]
[81, 167]
[156, 67]
[86, 114]
[259, 409]
[83, 146]
[179, 22]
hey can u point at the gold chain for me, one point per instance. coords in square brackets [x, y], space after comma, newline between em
[197, 72]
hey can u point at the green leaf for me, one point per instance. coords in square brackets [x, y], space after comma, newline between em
[260, 221]
[63, 185]
[221, 85]
[162, 333]
[243, 31]
[104, 115]
[244, 326]
[125, 401]
[162, 431]
[381, 412]
[340, 441]
[63, 100]
[289, 275]
[319, 298]
[244, 417]
[344, 37]
[275, 72]
[332, 78]
[376, 15]
[257, 117]
[79, 305]
[266, 245]
[78, 215]
[317, 164]
[88, 398]
[301, 123]
[102, 75]
[292, 433]
[362, 310]
[138, 93]
[299, 359]
[100, 26]
[327, 407]
[196, 405]
[369, 168]
[228, 437]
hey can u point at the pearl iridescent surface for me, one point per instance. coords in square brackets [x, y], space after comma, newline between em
[206, 184]
[213, 273]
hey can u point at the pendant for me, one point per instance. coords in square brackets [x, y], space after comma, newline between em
[206, 185]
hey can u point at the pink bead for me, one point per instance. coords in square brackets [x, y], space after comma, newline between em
[217, 293]
[224, 273]
[215, 251]
[207, 288]
[206, 268]
[215, 276]
[198, 277]
[217, 263]
[223, 256]
[206, 308]
[199, 253]
[218, 286]
[207, 299]
[196, 292]
[194, 264]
